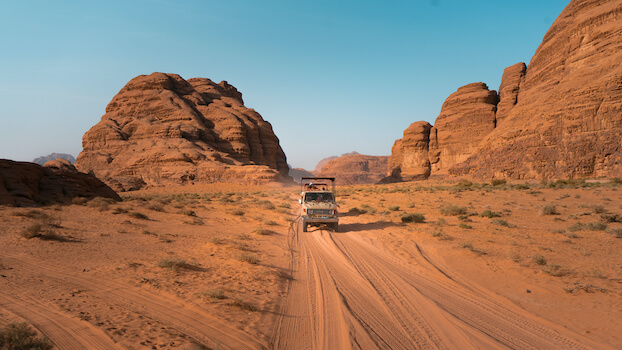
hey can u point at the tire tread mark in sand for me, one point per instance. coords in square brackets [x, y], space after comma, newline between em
[421, 331]
[495, 320]
[63, 330]
[175, 313]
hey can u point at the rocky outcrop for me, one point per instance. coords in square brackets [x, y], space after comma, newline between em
[568, 118]
[44, 159]
[353, 168]
[466, 118]
[513, 77]
[26, 184]
[561, 117]
[161, 129]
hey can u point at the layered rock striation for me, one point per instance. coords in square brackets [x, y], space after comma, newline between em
[27, 184]
[560, 117]
[161, 129]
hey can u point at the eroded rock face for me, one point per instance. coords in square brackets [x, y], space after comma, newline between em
[513, 77]
[561, 117]
[353, 168]
[410, 158]
[568, 119]
[161, 129]
[26, 184]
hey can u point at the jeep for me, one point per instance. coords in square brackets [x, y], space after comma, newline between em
[317, 200]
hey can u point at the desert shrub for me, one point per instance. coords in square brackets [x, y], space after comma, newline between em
[394, 208]
[356, 211]
[32, 231]
[137, 215]
[215, 294]
[285, 205]
[615, 232]
[266, 205]
[516, 257]
[243, 305]
[174, 264]
[596, 208]
[539, 259]
[549, 209]
[596, 226]
[524, 186]
[262, 231]
[33, 214]
[554, 270]
[100, 203]
[188, 212]
[453, 210]
[616, 180]
[414, 217]
[79, 200]
[467, 245]
[576, 227]
[271, 223]
[465, 225]
[20, 336]
[249, 258]
[604, 217]
[441, 222]
[155, 207]
[238, 212]
[490, 214]
[464, 183]
[498, 182]
[501, 223]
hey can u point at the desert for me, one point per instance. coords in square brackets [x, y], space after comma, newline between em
[188, 220]
[435, 265]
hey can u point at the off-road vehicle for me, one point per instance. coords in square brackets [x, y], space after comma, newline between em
[317, 199]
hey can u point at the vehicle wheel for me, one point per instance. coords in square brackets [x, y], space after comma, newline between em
[336, 227]
[304, 227]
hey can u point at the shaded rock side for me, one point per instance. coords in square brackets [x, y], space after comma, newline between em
[27, 184]
[298, 173]
[355, 168]
[161, 129]
[568, 119]
[44, 159]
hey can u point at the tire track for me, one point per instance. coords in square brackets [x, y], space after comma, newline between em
[63, 330]
[347, 293]
[186, 318]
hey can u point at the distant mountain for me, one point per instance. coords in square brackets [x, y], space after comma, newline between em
[44, 159]
[322, 162]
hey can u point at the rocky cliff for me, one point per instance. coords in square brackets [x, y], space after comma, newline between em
[353, 168]
[161, 129]
[26, 184]
[559, 117]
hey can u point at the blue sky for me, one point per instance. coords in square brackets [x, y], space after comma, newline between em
[355, 72]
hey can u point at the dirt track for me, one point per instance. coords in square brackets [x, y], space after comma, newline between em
[347, 293]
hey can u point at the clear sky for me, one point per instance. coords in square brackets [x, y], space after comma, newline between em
[356, 72]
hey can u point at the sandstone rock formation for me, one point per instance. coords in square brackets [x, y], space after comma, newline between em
[161, 129]
[26, 184]
[561, 117]
[44, 159]
[353, 168]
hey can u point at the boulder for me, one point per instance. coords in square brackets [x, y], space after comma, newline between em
[27, 184]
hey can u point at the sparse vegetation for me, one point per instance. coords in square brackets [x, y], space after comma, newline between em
[453, 210]
[554, 270]
[539, 259]
[501, 222]
[615, 232]
[549, 209]
[20, 336]
[79, 200]
[498, 182]
[249, 258]
[490, 214]
[137, 215]
[218, 294]
[100, 203]
[174, 264]
[414, 217]
[238, 212]
[394, 208]
[242, 305]
[465, 225]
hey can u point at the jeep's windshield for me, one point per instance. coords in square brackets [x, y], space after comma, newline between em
[319, 197]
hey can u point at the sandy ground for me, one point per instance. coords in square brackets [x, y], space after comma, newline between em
[227, 267]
